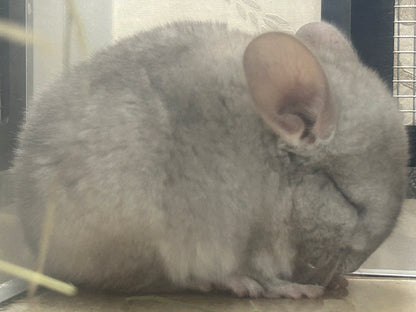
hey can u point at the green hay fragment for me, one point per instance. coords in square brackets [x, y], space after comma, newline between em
[165, 300]
[254, 306]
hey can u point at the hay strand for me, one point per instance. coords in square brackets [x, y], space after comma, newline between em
[37, 278]
[73, 15]
[47, 228]
[15, 33]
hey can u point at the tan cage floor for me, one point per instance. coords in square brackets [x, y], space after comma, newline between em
[365, 294]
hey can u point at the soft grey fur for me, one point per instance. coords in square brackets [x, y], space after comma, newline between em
[164, 174]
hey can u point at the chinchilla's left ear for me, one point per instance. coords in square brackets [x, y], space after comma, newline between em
[289, 88]
[325, 36]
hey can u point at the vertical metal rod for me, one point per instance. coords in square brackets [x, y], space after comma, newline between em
[66, 47]
[398, 54]
[29, 54]
[414, 72]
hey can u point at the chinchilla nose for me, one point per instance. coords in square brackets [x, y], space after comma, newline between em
[354, 261]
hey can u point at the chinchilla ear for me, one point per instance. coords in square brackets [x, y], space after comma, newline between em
[289, 88]
[325, 36]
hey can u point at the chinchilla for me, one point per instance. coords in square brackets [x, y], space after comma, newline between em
[193, 156]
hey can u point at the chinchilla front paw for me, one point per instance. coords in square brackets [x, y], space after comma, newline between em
[244, 286]
[294, 291]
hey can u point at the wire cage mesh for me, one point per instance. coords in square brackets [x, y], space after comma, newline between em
[404, 76]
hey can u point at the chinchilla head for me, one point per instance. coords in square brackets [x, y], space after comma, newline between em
[340, 121]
